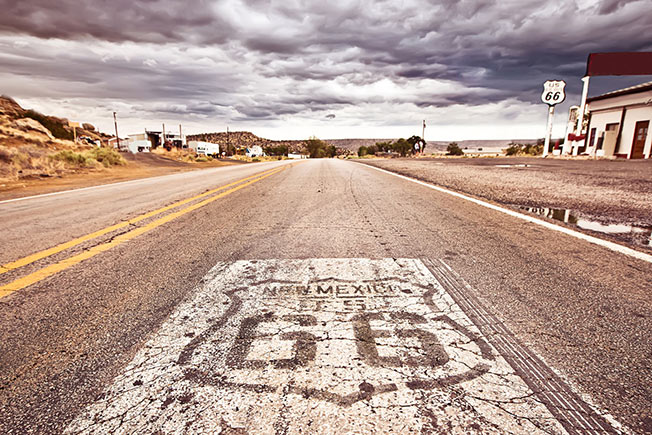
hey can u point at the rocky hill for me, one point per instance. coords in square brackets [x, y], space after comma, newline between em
[37, 145]
[19, 127]
[245, 139]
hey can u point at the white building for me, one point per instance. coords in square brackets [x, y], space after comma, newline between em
[205, 148]
[254, 151]
[619, 123]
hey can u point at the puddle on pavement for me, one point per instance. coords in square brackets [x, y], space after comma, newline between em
[640, 236]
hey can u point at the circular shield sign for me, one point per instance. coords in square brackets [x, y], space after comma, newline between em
[553, 92]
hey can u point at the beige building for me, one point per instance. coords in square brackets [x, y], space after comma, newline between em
[619, 123]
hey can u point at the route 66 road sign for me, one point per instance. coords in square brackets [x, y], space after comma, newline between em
[553, 92]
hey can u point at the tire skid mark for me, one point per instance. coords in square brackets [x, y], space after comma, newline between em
[572, 412]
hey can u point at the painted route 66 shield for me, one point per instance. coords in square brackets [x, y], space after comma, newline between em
[318, 346]
[553, 92]
[336, 340]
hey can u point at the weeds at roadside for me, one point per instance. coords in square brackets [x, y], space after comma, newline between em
[91, 158]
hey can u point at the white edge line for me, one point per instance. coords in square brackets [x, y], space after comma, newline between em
[591, 239]
[98, 186]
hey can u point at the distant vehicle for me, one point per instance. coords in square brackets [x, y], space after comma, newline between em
[136, 146]
[205, 148]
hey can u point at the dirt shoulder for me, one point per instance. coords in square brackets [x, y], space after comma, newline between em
[607, 192]
[138, 166]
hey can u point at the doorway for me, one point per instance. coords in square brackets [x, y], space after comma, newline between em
[640, 134]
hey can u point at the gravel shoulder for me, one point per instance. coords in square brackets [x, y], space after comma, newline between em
[608, 192]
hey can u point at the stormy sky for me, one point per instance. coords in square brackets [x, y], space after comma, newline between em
[295, 68]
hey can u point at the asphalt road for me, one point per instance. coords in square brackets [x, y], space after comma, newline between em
[322, 296]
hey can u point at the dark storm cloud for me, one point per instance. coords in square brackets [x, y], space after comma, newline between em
[115, 20]
[266, 59]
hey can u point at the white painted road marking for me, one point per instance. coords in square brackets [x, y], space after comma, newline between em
[591, 239]
[320, 345]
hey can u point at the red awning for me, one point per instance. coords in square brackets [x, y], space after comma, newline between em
[619, 64]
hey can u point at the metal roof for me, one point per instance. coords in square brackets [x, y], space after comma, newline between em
[626, 91]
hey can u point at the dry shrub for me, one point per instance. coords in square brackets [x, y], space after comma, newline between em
[91, 158]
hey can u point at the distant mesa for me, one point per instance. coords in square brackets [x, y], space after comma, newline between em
[330, 116]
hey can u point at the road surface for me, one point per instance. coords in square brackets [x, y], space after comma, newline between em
[318, 296]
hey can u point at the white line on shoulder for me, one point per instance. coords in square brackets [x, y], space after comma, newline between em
[591, 239]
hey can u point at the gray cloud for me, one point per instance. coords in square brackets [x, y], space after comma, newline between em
[268, 60]
[117, 20]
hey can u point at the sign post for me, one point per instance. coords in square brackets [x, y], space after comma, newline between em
[75, 126]
[553, 94]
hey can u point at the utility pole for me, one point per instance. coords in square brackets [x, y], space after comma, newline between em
[180, 136]
[423, 135]
[228, 142]
[115, 122]
[163, 134]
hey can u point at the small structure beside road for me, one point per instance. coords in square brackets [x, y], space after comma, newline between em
[254, 151]
[204, 148]
[619, 122]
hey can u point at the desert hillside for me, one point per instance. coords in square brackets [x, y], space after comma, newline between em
[37, 145]
[245, 139]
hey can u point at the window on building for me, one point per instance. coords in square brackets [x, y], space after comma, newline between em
[592, 138]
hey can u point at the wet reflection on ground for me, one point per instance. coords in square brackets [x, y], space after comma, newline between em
[639, 236]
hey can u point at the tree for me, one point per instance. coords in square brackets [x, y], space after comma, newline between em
[281, 150]
[319, 149]
[384, 147]
[402, 147]
[454, 149]
[414, 140]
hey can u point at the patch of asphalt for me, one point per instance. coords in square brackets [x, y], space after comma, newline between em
[608, 192]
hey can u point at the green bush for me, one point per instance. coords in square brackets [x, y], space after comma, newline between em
[201, 159]
[70, 157]
[281, 150]
[402, 147]
[106, 156]
[517, 149]
[53, 124]
[453, 149]
[319, 149]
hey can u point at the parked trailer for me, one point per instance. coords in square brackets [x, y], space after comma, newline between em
[205, 148]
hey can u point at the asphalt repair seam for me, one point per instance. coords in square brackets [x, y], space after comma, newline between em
[335, 346]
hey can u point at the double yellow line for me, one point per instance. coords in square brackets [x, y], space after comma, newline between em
[68, 262]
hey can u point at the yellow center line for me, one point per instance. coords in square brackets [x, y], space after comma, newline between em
[68, 262]
[74, 242]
